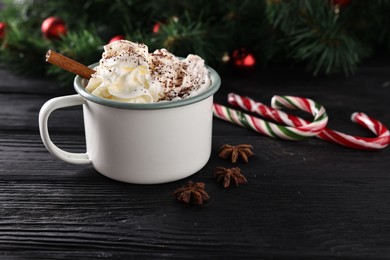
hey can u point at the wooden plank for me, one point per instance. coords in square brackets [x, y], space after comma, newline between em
[20, 112]
[24, 154]
[308, 197]
[365, 92]
[12, 83]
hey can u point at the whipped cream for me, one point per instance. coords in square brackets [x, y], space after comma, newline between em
[127, 72]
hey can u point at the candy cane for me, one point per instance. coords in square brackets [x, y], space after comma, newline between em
[363, 143]
[275, 130]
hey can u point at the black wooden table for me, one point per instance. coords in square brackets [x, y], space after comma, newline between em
[307, 199]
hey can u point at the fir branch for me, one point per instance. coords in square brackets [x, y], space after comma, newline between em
[84, 46]
[321, 38]
[184, 35]
[306, 31]
[19, 53]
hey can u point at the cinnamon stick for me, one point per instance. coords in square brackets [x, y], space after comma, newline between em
[68, 64]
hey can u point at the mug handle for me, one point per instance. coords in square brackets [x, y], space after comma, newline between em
[46, 110]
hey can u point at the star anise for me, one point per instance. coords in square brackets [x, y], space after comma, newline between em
[227, 176]
[242, 150]
[192, 192]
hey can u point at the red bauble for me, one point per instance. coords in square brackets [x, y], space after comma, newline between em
[2, 29]
[341, 3]
[117, 38]
[156, 27]
[243, 58]
[53, 27]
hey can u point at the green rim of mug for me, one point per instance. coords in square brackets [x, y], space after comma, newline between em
[215, 79]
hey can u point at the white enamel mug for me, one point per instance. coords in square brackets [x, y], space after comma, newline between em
[139, 143]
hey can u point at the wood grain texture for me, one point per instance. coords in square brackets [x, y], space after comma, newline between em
[303, 200]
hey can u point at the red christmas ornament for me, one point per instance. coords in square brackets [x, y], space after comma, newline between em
[341, 3]
[338, 4]
[242, 58]
[3, 25]
[117, 38]
[156, 27]
[53, 28]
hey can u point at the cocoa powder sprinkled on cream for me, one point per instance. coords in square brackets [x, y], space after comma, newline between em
[128, 73]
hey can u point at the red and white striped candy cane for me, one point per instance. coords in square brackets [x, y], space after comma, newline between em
[275, 130]
[381, 141]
